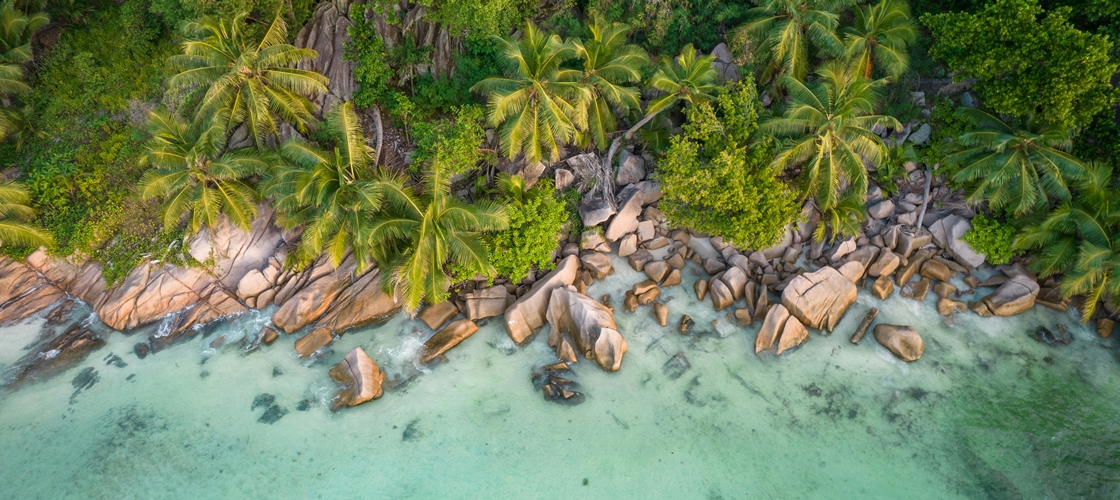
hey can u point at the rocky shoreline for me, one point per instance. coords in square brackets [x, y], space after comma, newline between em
[792, 288]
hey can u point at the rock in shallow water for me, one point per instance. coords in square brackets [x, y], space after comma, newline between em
[903, 341]
[361, 376]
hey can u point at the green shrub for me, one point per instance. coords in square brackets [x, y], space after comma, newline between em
[1027, 61]
[452, 143]
[715, 181]
[536, 218]
[992, 238]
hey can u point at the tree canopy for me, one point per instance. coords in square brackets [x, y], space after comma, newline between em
[1026, 62]
[716, 182]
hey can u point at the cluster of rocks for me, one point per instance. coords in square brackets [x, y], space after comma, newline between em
[238, 271]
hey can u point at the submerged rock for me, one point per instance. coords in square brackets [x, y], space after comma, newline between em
[1048, 337]
[361, 377]
[675, 367]
[56, 355]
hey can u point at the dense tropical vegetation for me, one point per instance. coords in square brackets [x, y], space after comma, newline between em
[129, 127]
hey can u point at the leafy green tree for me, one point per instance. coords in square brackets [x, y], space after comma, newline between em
[1080, 238]
[16, 30]
[334, 194]
[451, 143]
[786, 29]
[992, 238]
[536, 217]
[1025, 63]
[194, 178]
[609, 67]
[246, 81]
[690, 79]
[1019, 165]
[879, 36]
[538, 105]
[14, 214]
[830, 125]
[419, 235]
[715, 181]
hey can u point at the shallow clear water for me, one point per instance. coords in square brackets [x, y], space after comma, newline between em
[986, 413]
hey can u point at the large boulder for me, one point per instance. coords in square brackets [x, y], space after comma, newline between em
[631, 168]
[597, 263]
[588, 323]
[439, 314]
[447, 338]
[24, 292]
[317, 339]
[529, 312]
[772, 328]
[626, 220]
[487, 302]
[903, 341]
[947, 233]
[1013, 297]
[362, 303]
[736, 280]
[820, 298]
[327, 34]
[793, 335]
[887, 262]
[55, 356]
[593, 212]
[361, 377]
[721, 294]
[311, 302]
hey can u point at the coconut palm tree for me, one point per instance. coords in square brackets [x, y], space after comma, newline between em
[14, 214]
[609, 66]
[1081, 238]
[539, 105]
[830, 126]
[334, 194]
[845, 218]
[194, 177]
[18, 125]
[16, 30]
[879, 36]
[246, 82]
[785, 30]
[689, 78]
[1019, 165]
[418, 236]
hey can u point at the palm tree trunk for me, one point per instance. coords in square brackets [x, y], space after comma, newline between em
[618, 140]
[925, 199]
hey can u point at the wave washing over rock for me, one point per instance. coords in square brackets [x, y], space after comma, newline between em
[988, 411]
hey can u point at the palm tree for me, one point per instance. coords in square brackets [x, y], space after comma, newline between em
[1081, 238]
[843, 219]
[194, 178]
[879, 36]
[14, 213]
[786, 28]
[689, 79]
[1019, 164]
[539, 105]
[18, 124]
[418, 236]
[831, 124]
[609, 64]
[16, 30]
[334, 194]
[246, 82]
